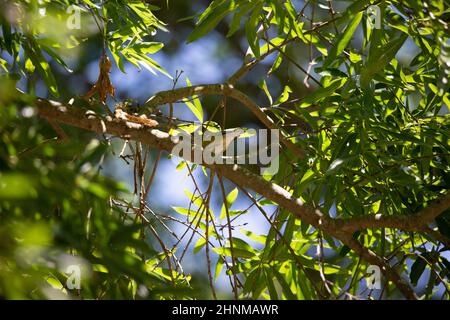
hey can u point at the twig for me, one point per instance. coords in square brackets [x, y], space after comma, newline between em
[230, 236]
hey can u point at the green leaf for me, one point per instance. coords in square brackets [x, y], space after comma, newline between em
[258, 238]
[355, 7]
[196, 199]
[146, 62]
[263, 85]
[443, 226]
[6, 33]
[148, 47]
[322, 93]
[417, 268]
[284, 95]
[16, 186]
[194, 104]
[91, 4]
[55, 283]
[4, 65]
[242, 245]
[343, 39]
[231, 198]
[34, 53]
[219, 267]
[237, 17]
[285, 286]
[293, 18]
[187, 212]
[345, 249]
[250, 30]
[118, 57]
[338, 163]
[213, 16]
[270, 285]
[446, 264]
[56, 57]
[237, 253]
[29, 66]
[379, 58]
[277, 63]
[201, 242]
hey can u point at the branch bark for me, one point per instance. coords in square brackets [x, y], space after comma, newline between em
[415, 222]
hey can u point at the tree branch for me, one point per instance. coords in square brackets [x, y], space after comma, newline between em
[386, 269]
[58, 112]
[415, 222]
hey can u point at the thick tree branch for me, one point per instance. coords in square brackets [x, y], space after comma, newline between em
[55, 111]
[415, 222]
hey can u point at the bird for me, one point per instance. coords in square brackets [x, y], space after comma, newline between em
[221, 144]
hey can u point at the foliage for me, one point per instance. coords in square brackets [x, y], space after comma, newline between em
[55, 211]
[376, 141]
